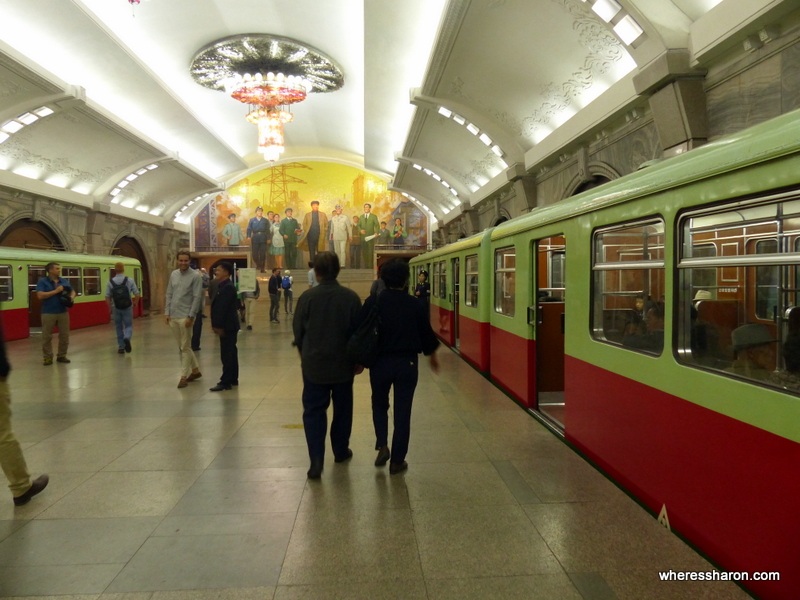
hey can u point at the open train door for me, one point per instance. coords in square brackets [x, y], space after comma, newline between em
[550, 325]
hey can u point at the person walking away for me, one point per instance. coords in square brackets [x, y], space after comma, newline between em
[355, 244]
[274, 289]
[323, 322]
[49, 290]
[340, 234]
[369, 226]
[258, 229]
[225, 323]
[183, 299]
[277, 249]
[288, 295]
[290, 229]
[122, 296]
[250, 299]
[404, 332]
[12, 460]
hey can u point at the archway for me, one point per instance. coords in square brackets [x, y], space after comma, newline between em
[27, 233]
[130, 247]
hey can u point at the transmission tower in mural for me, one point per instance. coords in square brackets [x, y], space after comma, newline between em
[279, 180]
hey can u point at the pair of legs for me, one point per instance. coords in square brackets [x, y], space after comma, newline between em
[197, 330]
[229, 355]
[123, 323]
[366, 254]
[274, 306]
[401, 372]
[183, 336]
[11, 459]
[277, 255]
[340, 248]
[288, 301]
[316, 399]
[49, 322]
[355, 256]
[260, 254]
[291, 255]
[249, 311]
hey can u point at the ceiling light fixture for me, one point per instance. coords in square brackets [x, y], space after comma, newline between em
[268, 73]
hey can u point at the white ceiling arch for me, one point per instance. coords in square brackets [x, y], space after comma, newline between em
[531, 75]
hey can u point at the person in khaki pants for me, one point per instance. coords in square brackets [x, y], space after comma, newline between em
[54, 313]
[11, 459]
[183, 301]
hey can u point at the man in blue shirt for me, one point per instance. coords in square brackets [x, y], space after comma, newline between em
[49, 290]
[123, 317]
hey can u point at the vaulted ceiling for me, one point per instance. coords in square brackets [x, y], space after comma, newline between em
[98, 107]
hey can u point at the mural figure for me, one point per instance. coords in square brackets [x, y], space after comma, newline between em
[258, 230]
[368, 223]
[315, 226]
[290, 229]
[232, 233]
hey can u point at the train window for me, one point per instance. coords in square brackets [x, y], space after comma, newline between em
[6, 287]
[471, 272]
[73, 276]
[35, 273]
[628, 286]
[440, 279]
[505, 263]
[745, 322]
[91, 281]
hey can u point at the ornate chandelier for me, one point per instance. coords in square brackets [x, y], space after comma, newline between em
[269, 74]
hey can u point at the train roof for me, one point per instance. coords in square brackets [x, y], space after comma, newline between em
[472, 241]
[30, 254]
[761, 143]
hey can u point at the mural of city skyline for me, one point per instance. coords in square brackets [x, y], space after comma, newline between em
[295, 185]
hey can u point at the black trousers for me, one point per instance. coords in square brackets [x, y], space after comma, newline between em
[290, 249]
[197, 330]
[402, 372]
[316, 399]
[274, 306]
[260, 253]
[313, 242]
[229, 355]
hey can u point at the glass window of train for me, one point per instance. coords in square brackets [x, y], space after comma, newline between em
[442, 277]
[6, 283]
[505, 264]
[471, 273]
[628, 286]
[91, 281]
[73, 275]
[35, 273]
[766, 278]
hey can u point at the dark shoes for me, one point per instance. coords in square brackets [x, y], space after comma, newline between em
[315, 470]
[219, 387]
[63, 359]
[127, 345]
[249, 328]
[383, 456]
[194, 376]
[395, 468]
[183, 383]
[37, 486]
[344, 457]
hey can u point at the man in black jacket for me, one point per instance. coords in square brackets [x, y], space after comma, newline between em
[324, 318]
[274, 287]
[225, 323]
[11, 459]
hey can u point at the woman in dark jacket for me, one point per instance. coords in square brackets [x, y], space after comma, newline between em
[404, 333]
[225, 323]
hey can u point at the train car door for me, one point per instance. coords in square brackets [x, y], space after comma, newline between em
[550, 313]
[35, 273]
[456, 298]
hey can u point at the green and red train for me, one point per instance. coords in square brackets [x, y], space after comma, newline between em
[654, 322]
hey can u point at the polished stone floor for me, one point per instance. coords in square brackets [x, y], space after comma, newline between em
[166, 494]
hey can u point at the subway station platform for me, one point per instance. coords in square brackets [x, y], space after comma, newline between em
[168, 494]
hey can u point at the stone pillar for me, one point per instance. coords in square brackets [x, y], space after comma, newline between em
[524, 187]
[95, 223]
[677, 101]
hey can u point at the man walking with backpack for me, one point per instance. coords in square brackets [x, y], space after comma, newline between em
[122, 295]
[288, 296]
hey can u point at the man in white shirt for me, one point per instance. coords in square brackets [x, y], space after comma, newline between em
[340, 233]
[184, 297]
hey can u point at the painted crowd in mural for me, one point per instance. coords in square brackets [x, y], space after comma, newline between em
[306, 208]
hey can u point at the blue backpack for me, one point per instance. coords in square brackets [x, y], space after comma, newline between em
[286, 283]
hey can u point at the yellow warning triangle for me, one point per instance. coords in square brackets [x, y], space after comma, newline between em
[663, 518]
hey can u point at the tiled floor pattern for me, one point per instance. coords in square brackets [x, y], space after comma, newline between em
[158, 493]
